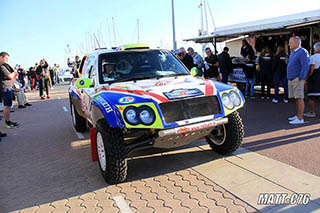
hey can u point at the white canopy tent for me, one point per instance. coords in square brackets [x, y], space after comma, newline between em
[271, 26]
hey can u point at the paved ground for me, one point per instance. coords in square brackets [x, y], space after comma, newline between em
[46, 167]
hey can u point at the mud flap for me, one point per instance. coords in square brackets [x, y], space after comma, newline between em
[94, 155]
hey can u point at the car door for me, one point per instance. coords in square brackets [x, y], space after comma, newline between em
[89, 72]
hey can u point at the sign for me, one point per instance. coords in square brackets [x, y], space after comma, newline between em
[237, 75]
[182, 93]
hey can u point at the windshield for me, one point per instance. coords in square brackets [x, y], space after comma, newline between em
[134, 65]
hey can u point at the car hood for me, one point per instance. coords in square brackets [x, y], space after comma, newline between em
[167, 89]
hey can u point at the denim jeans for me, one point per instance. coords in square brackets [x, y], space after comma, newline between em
[249, 84]
[284, 81]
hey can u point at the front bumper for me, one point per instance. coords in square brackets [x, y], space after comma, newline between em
[184, 135]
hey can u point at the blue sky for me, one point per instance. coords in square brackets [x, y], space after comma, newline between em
[33, 29]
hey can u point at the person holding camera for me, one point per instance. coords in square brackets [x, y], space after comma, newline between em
[43, 73]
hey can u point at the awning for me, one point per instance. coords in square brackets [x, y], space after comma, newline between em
[275, 25]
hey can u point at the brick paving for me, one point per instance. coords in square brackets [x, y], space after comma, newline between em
[41, 172]
[182, 191]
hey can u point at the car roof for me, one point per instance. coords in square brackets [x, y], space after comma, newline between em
[123, 48]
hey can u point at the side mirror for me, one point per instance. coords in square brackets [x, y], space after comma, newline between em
[83, 83]
[194, 71]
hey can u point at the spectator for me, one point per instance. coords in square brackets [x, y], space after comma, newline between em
[56, 73]
[297, 71]
[316, 38]
[265, 64]
[212, 63]
[246, 49]
[186, 59]
[33, 77]
[21, 75]
[313, 79]
[21, 97]
[43, 73]
[250, 70]
[279, 67]
[225, 64]
[51, 74]
[6, 74]
[197, 60]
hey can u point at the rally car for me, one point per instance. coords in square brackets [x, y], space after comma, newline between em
[134, 98]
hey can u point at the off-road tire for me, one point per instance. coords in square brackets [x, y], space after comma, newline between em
[79, 122]
[115, 153]
[234, 135]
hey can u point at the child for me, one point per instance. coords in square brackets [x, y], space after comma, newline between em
[250, 71]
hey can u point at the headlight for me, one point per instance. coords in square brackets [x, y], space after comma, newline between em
[146, 115]
[227, 101]
[143, 114]
[235, 98]
[130, 115]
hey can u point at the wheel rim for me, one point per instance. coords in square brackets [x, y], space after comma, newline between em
[73, 115]
[218, 135]
[101, 152]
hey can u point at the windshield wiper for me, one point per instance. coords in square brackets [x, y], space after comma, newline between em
[134, 78]
[175, 74]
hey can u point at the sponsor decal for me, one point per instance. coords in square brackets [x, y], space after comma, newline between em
[105, 104]
[182, 93]
[161, 83]
[121, 87]
[196, 127]
[126, 100]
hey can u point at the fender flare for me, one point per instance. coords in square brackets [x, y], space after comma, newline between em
[102, 108]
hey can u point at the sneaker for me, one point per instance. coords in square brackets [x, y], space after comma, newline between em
[296, 121]
[42, 98]
[21, 106]
[10, 124]
[2, 134]
[293, 118]
[28, 104]
[285, 101]
[310, 114]
[268, 97]
[52, 88]
[262, 97]
[48, 97]
[275, 101]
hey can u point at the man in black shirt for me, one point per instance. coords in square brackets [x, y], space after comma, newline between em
[6, 74]
[187, 59]
[225, 64]
[212, 64]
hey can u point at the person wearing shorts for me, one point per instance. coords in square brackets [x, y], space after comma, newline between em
[297, 70]
[6, 74]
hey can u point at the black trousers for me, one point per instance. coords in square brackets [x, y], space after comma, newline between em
[266, 80]
[43, 84]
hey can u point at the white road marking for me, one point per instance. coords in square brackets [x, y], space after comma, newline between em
[65, 109]
[59, 97]
[121, 203]
[80, 136]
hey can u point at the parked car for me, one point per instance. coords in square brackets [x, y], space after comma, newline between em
[65, 75]
[136, 98]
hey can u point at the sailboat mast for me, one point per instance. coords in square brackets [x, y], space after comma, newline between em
[138, 31]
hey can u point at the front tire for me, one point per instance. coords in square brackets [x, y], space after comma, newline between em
[227, 138]
[79, 123]
[111, 153]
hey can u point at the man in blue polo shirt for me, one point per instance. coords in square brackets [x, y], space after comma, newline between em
[297, 71]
